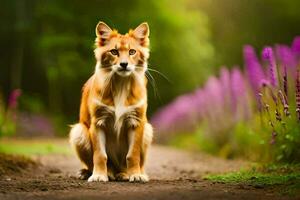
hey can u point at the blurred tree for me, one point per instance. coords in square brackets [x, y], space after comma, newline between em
[235, 23]
[47, 46]
[58, 46]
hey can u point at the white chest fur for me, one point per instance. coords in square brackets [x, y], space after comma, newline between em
[121, 112]
[120, 108]
[121, 88]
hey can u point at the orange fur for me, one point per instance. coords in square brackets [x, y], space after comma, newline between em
[113, 134]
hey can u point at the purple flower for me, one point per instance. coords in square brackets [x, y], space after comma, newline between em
[34, 125]
[214, 90]
[264, 83]
[181, 114]
[296, 46]
[285, 82]
[163, 118]
[253, 68]
[284, 103]
[268, 55]
[239, 99]
[298, 95]
[237, 86]
[286, 57]
[225, 101]
[225, 85]
[200, 99]
[13, 98]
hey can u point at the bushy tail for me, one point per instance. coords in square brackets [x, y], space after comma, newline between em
[81, 143]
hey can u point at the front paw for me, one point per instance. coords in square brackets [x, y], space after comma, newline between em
[98, 178]
[138, 177]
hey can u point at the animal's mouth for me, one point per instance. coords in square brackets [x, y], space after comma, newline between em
[124, 70]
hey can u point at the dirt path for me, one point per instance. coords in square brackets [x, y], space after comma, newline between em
[174, 175]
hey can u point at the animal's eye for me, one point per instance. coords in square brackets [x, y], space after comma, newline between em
[114, 52]
[132, 52]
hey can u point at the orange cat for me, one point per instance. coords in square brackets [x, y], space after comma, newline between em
[113, 134]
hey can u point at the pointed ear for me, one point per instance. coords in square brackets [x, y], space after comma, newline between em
[103, 31]
[142, 31]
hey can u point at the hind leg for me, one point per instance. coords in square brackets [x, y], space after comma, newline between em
[81, 143]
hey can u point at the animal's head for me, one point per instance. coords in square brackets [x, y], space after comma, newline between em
[122, 54]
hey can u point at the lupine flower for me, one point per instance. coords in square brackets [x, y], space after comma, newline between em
[285, 82]
[296, 46]
[268, 55]
[200, 97]
[264, 83]
[225, 78]
[225, 81]
[182, 110]
[226, 100]
[265, 106]
[239, 94]
[214, 93]
[298, 95]
[225, 84]
[13, 98]
[34, 125]
[284, 102]
[286, 58]
[237, 87]
[253, 68]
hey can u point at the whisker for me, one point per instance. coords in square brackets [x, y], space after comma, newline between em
[158, 72]
[155, 89]
[152, 85]
[153, 81]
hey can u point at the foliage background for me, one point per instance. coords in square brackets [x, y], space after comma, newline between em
[47, 46]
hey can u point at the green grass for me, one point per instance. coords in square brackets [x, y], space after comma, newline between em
[34, 147]
[285, 176]
[194, 142]
[256, 178]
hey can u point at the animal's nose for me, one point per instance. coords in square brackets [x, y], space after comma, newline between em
[124, 65]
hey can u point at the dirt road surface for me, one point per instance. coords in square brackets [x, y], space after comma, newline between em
[174, 174]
